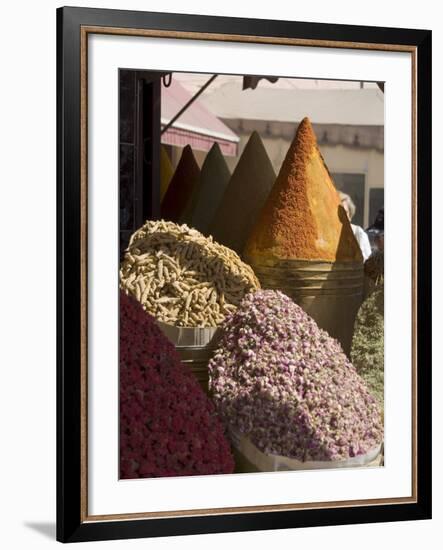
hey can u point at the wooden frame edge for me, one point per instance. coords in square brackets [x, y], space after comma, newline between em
[191, 35]
[85, 30]
[84, 274]
[202, 512]
[414, 183]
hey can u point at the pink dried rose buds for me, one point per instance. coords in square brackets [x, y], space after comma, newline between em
[287, 385]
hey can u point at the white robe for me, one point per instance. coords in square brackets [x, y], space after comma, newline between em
[363, 241]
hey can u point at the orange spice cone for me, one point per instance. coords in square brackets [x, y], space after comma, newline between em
[303, 218]
[182, 184]
[303, 244]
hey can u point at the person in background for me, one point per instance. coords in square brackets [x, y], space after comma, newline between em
[360, 235]
[375, 266]
[376, 231]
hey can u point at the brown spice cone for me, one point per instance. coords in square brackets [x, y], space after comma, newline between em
[166, 172]
[182, 184]
[303, 218]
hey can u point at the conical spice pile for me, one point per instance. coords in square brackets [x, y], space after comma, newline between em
[166, 172]
[244, 196]
[207, 195]
[182, 184]
[303, 218]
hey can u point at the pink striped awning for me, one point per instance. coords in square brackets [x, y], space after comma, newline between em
[197, 126]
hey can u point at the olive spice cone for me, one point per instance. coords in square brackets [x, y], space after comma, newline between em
[206, 196]
[244, 196]
[303, 243]
[182, 184]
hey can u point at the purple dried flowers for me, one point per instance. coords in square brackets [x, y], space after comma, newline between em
[286, 384]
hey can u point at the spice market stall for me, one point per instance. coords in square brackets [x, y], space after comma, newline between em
[250, 284]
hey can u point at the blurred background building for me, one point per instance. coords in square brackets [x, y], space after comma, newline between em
[348, 119]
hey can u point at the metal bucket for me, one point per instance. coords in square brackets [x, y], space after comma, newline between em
[195, 346]
[330, 292]
[251, 459]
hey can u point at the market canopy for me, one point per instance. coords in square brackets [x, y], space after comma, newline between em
[197, 126]
[353, 107]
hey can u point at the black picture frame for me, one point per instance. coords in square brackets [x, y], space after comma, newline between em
[72, 525]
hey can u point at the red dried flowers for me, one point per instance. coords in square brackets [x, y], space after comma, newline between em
[168, 426]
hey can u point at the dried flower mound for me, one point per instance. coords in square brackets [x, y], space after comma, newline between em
[284, 383]
[183, 278]
[168, 426]
[181, 186]
[303, 218]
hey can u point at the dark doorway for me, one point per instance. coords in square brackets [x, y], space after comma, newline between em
[139, 150]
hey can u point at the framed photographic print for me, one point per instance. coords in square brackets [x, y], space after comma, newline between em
[239, 345]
